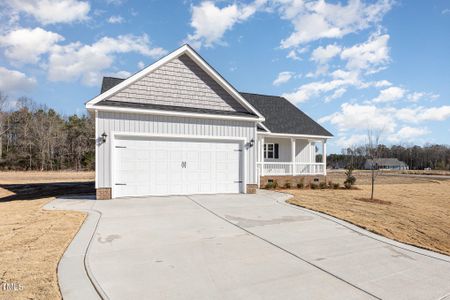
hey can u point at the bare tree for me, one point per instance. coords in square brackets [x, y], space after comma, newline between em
[372, 153]
[3, 116]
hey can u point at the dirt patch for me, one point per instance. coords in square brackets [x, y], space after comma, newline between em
[418, 214]
[33, 240]
[32, 243]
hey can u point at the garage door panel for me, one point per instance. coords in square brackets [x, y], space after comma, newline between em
[165, 167]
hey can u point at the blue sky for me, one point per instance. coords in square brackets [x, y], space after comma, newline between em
[352, 65]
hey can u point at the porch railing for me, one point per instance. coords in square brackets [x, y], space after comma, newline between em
[289, 168]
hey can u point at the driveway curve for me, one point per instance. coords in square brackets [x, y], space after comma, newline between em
[240, 247]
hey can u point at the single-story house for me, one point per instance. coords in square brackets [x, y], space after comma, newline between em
[177, 127]
[385, 164]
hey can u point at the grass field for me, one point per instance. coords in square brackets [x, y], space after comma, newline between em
[411, 210]
[33, 240]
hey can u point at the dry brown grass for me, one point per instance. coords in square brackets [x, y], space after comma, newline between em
[33, 240]
[417, 212]
[11, 177]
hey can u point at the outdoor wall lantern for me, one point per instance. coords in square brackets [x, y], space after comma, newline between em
[251, 143]
[104, 136]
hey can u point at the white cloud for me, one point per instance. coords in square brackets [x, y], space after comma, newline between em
[15, 81]
[361, 117]
[324, 54]
[446, 11]
[423, 114]
[293, 55]
[390, 94]
[417, 96]
[116, 20]
[321, 70]
[381, 83]
[315, 20]
[141, 65]
[76, 60]
[53, 11]
[283, 77]
[337, 94]
[352, 140]
[120, 74]
[407, 134]
[369, 56]
[210, 22]
[27, 45]
[353, 121]
[341, 80]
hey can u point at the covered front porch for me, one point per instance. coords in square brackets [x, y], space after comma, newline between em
[294, 155]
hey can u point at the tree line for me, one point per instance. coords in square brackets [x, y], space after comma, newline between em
[416, 157]
[35, 137]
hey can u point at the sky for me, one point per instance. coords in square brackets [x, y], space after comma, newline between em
[353, 66]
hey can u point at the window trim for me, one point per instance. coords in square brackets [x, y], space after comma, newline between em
[273, 152]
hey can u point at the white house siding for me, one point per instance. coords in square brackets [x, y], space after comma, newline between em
[284, 149]
[180, 82]
[109, 122]
[303, 151]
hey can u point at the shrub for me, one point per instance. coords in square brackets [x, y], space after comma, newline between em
[287, 185]
[301, 185]
[350, 179]
[330, 184]
[323, 185]
[313, 186]
[275, 184]
[336, 186]
[269, 185]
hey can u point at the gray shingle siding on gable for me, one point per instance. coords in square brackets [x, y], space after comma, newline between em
[180, 82]
[284, 117]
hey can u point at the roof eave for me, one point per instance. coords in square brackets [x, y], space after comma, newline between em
[93, 108]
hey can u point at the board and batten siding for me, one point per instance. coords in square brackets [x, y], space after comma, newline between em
[109, 122]
[304, 151]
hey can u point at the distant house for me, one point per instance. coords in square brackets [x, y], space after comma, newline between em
[386, 164]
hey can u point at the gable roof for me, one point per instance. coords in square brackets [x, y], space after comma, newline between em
[183, 50]
[281, 116]
[284, 117]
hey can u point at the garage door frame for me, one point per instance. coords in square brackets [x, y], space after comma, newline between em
[240, 140]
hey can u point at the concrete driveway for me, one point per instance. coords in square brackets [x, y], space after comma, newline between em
[238, 247]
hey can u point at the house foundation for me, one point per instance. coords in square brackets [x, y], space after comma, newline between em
[281, 180]
[103, 193]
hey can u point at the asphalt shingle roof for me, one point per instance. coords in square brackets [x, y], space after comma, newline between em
[284, 117]
[280, 114]
[109, 83]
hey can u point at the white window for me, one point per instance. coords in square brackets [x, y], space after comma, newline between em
[271, 150]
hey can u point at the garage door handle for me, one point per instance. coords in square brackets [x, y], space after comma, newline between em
[121, 184]
[183, 164]
[239, 181]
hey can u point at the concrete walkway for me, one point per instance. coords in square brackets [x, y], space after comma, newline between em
[238, 247]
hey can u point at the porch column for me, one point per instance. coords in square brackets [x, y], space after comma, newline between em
[262, 156]
[324, 157]
[293, 156]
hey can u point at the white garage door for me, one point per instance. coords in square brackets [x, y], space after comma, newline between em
[175, 167]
